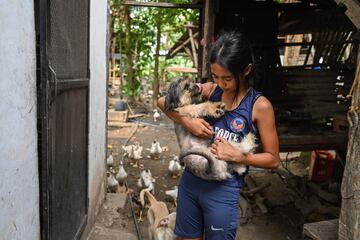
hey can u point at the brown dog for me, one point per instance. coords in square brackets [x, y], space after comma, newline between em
[161, 223]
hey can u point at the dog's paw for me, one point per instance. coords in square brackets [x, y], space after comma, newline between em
[219, 109]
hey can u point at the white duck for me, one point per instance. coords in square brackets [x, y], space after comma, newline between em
[110, 160]
[122, 174]
[174, 167]
[173, 194]
[156, 115]
[128, 151]
[137, 151]
[112, 183]
[146, 180]
[155, 149]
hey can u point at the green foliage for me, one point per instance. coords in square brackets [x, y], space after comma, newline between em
[143, 37]
[132, 90]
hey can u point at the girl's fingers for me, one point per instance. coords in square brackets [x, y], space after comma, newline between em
[207, 125]
[213, 151]
[207, 132]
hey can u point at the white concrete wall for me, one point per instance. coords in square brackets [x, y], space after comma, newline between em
[19, 184]
[97, 117]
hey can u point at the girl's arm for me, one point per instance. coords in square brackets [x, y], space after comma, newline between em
[197, 126]
[263, 115]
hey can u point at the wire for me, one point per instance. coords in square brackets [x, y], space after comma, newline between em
[138, 233]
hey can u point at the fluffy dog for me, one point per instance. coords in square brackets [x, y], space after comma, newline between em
[184, 97]
[161, 223]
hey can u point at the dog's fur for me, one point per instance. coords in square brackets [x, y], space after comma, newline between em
[161, 223]
[185, 98]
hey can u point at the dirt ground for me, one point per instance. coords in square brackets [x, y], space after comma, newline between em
[289, 202]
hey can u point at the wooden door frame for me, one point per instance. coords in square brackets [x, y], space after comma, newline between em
[43, 123]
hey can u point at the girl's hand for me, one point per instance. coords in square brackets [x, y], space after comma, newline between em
[198, 127]
[223, 150]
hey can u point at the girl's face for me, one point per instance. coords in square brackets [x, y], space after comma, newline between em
[223, 77]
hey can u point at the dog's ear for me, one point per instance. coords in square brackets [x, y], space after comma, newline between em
[169, 103]
[164, 222]
[172, 98]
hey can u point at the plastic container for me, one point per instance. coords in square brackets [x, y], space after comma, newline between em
[120, 105]
[322, 165]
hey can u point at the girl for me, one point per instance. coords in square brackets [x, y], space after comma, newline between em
[211, 208]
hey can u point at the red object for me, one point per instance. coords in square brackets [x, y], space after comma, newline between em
[321, 165]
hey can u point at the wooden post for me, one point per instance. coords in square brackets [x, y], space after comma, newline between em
[208, 33]
[352, 10]
[194, 53]
[156, 67]
[349, 221]
[183, 45]
[112, 71]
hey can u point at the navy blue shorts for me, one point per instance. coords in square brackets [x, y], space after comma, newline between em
[208, 208]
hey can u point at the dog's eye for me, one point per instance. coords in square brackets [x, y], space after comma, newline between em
[187, 85]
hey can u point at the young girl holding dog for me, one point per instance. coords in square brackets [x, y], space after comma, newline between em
[210, 209]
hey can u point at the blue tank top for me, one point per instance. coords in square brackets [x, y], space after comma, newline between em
[235, 124]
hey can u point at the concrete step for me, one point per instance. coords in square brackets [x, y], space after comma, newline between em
[110, 224]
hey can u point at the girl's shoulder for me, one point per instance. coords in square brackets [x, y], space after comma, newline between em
[262, 107]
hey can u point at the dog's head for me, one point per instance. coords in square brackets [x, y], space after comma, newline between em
[182, 92]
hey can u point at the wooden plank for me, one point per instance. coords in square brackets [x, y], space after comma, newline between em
[136, 115]
[194, 53]
[305, 92]
[352, 10]
[182, 45]
[325, 195]
[162, 5]
[187, 50]
[209, 19]
[349, 35]
[181, 69]
[122, 124]
[312, 141]
[119, 116]
[324, 230]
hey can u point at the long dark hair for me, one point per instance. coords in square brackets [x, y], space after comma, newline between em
[232, 51]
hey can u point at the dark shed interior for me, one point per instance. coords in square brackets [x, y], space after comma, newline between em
[310, 96]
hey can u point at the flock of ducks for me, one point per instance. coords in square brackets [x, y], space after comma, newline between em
[117, 179]
[117, 175]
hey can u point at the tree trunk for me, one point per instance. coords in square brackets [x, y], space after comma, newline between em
[120, 68]
[130, 74]
[156, 67]
[112, 57]
[349, 222]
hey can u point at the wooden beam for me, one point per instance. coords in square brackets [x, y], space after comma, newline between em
[191, 26]
[208, 33]
[162, 5]
[312, 141]
[182, 45]
[181, 69]
[194, 53]
[352, 10]
[322, 230]
[187, 50]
